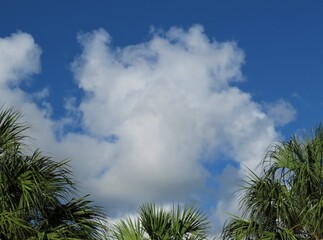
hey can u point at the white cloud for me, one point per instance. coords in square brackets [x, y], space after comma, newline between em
[168, 100]
[170, 105]
[18, 59]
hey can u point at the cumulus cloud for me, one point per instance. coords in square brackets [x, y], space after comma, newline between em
[19, 58]
[172, 105]
[152, 117]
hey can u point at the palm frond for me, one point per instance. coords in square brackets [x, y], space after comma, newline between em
[128, 230]
[156, 221]
[188, 222]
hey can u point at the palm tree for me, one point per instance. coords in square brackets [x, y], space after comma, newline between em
[156, 223]
[36, 192]
[286, 201]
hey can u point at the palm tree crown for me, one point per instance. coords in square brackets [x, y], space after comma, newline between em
[156, 223]
[286, 201]
[36, 192]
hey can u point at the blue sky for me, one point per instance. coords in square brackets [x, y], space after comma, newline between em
[206, 85]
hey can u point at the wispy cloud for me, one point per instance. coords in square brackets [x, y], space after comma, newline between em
[281, 111]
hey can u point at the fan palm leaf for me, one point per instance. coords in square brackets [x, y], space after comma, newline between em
[157, 223]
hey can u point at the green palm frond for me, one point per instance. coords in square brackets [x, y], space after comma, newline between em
[156, 221]
[189, 223]
[74, 219]
[11, 130]
[128, 230]
[241, 229]
[13, 227]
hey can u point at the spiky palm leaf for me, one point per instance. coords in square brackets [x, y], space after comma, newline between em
[188, 223]
[128, 230]
[156, 221]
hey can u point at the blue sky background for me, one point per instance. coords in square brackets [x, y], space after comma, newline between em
[281, 40]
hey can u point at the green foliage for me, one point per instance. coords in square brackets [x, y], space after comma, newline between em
[286, 201]
[128, 230]
[36, 192]
[156, 223]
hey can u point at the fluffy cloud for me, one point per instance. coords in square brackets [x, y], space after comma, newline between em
[153, 116]
[171, 104]
[19, 58]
